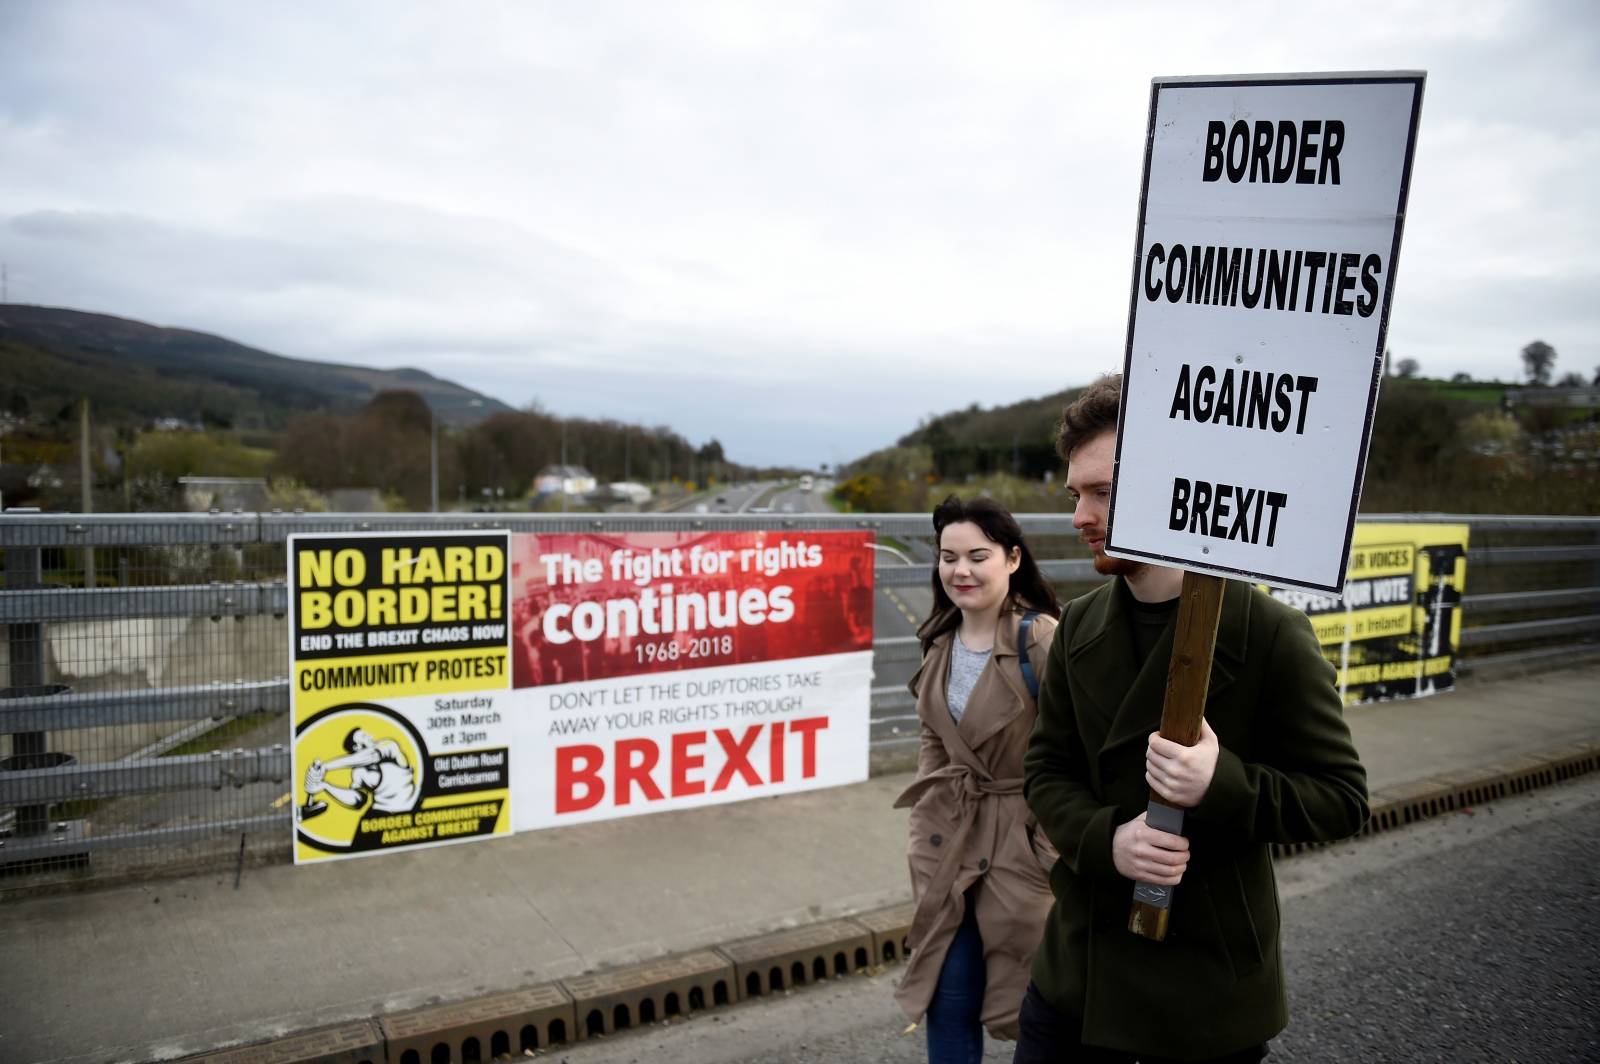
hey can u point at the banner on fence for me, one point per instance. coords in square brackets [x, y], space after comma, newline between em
[438, 675]
[673, 670]
[1396, 630]
[399, 651]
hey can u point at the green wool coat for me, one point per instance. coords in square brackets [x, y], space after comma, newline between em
[1287, 773]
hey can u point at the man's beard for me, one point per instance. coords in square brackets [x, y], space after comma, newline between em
[1106, 565]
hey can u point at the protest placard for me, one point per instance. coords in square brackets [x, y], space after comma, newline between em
[1268, 238]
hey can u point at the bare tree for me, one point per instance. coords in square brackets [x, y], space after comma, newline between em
[1539, 361]
[1407, 368]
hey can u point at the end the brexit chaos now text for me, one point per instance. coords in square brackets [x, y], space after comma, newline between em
[388, 595]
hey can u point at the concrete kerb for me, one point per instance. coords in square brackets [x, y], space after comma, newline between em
[481, 1028]
[605, 1002]
[799, 956]
[617, 998]
[361, 1042]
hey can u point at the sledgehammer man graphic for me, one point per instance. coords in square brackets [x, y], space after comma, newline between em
[378, 770]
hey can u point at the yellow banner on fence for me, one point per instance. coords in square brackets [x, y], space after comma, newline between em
[1395, 631]
[400, 665]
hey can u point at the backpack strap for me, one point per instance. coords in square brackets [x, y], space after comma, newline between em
[1028, 676]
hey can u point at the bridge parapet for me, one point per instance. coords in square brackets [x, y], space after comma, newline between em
[143, 713]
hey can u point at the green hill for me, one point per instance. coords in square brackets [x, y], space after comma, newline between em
[1018, 438]
[134, 372]
[1454, 446]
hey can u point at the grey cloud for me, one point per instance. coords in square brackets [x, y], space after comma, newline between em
[769, 225]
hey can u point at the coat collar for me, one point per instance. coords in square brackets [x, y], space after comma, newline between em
[1103, 662]
[981, 722]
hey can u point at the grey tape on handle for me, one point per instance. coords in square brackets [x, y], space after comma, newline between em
[1162, 818]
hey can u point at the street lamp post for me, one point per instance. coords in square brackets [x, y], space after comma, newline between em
[433, 451]
[433, 458]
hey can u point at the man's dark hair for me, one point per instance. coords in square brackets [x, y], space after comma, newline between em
[350, 741]
[1028, 588]
[1093, 412]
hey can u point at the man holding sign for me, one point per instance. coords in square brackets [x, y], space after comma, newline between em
[1274, 763]
[1232, 446]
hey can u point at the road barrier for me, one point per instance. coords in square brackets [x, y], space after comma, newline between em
[143, 714]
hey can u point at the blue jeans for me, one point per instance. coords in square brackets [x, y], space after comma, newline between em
[955, 1032]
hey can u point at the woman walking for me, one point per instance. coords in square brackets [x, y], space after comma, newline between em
[979, 869]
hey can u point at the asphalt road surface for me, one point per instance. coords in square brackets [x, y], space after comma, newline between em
[1466, 938]
[733, 499]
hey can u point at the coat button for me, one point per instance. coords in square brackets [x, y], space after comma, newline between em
[983, 864]
[937, 840]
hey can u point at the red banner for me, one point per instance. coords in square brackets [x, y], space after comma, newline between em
[592, 606]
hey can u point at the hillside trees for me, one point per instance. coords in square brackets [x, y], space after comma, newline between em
[1539, 362]
[386, 446]
[1449, 447]
[155, 460]
[893, 480]
[1018, 439]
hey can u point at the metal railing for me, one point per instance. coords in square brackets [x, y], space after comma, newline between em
[143, 723]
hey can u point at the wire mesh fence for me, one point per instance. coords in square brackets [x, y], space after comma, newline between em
[143, 716]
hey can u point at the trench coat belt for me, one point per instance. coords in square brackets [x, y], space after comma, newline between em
[970, 789]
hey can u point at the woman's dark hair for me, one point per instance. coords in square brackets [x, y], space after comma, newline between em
[1029, 588]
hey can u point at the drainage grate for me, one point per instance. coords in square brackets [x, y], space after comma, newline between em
[890, 929]
[610, 1001]
[480, 1029]
[802, 955]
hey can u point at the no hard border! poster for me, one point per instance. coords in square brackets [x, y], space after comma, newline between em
[399, 655]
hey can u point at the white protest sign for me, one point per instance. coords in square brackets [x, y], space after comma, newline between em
[1269, 231]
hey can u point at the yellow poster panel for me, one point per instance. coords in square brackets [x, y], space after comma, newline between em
[1395, 631]
[400, 655]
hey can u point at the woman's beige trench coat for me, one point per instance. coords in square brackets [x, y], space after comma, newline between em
[969, 825]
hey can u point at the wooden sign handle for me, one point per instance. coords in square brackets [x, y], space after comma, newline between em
[1188, 677]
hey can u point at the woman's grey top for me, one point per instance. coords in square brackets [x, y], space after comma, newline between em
[965, 668]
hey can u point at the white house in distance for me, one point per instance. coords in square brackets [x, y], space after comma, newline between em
[224, 493]
[564, 480]
[634, 492]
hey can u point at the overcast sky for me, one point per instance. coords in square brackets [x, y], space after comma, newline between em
[797, 227]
